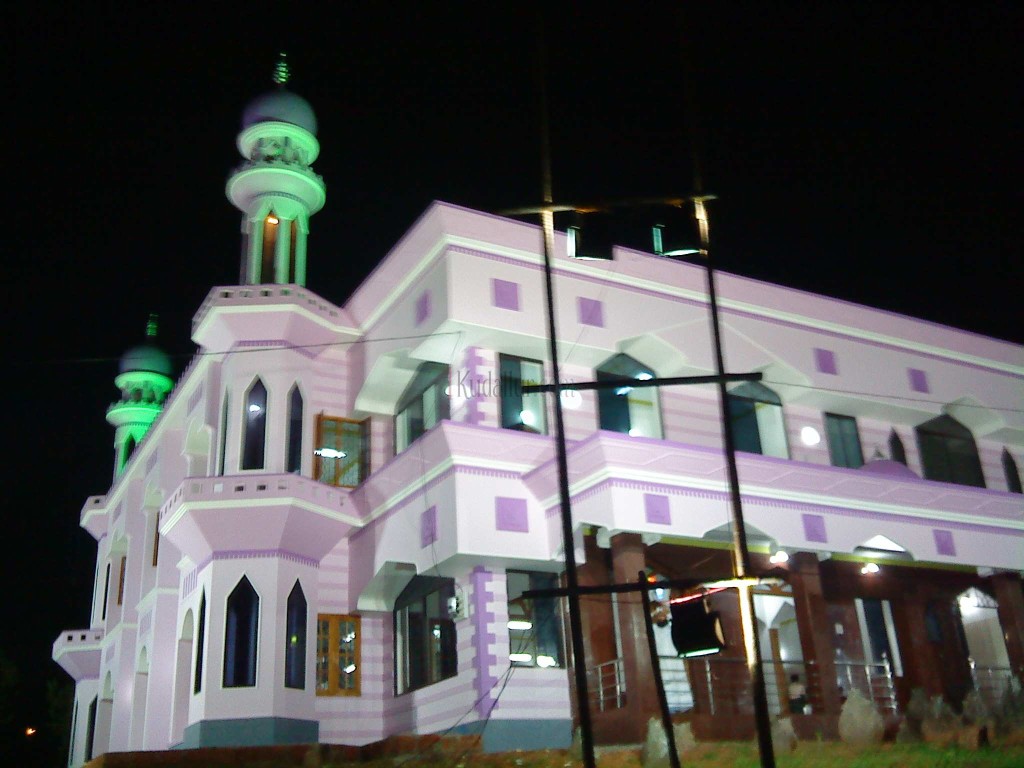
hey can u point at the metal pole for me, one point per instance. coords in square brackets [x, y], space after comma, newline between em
[741, 555]
[659, 682]
[547, 218]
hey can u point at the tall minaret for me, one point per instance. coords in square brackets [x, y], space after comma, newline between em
[144, 378]
[275, 188]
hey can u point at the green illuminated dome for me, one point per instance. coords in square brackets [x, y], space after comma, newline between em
[145, 357]
[280, 106]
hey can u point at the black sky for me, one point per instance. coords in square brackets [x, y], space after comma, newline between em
[868, 151]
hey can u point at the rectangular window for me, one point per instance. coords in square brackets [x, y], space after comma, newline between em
[524, 412]
[425, 641]
[120, 582]
[342, 454]
[878, 632]
[534, 626]
[337, 655]
[843, 441]
[423, 405]
[156, 539]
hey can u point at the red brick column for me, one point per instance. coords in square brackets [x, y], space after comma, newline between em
[1010, 597]
[815, 632]
[641, 694]
[921, 666]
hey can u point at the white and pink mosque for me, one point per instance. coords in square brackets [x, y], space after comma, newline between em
[322, 529]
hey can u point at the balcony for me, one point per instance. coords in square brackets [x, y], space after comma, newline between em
[94, 516]
[251, 514]
[78, 652]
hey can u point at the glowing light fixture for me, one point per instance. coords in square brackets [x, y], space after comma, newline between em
[643, 376]
[527, 418]
[809, 436]
[524, 658]
[779, 557]
[869, 568]
[546, 661]
[253, 408]
[272, 220]
[330, 453]
[30, 731]
[634, 432]
[350, 669]
[518, 624]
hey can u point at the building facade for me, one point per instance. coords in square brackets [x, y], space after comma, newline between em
[322, 531]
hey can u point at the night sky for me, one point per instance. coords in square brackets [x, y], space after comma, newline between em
[859, 150]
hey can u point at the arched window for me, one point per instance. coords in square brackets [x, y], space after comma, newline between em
[223, 437]
[756, 422]
[1010, 470]
[949, 453]
[254, 438]
[129, 449]
[295, 639]
[423, 405]
[627, 409]
[293, 462]
[197, 684]
[896, 450]
[240, 635]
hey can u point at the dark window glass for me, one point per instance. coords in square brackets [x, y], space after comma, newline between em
[254, 439]
[1012, 475]
[521, 411]
[949, 453]
[843, 441]
[878, 637]
[90, 733]
[756, 421]
[534, 626]
[293, 462]
[425, 639]
[295, 640]
[423, 405]
[896, 450]
[106, 594]
[223, 435]
[240, 636]
[129, 449]
[627, 409]
[197, 683]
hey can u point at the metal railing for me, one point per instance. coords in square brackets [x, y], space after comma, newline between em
[873, 681]
[607, 685]
[991, 683]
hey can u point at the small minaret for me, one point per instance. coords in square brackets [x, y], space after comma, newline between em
[276, 188]
[144, 378]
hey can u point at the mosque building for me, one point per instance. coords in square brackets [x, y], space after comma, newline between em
[322, 529]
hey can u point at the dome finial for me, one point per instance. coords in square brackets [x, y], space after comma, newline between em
[151, 326]
[281, 71]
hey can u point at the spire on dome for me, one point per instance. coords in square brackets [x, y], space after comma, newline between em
[151, 325]
[281, 72]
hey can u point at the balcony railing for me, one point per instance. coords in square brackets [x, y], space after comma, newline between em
[991, 683]
[607, 685]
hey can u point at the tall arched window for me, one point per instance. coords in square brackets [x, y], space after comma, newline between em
[423, 405]
[255, 433]
[1012, 475]
[949, 453]
[240, 635]
[756, 421]
[628, 409]
[223, 435]
[896, 449]
[129, 449]
[293, 461]
[197, 684]
[295, 639]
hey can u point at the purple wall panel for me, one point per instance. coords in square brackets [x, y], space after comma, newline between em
[482, 618]
[505, 294]
[825, 361]
[423, 307]
[814, 528]
[918, 380]
[656, 509]
[428, 527]
[510, 515]
[590, 312]
[944, 544]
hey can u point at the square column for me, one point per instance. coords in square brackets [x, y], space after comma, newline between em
[1009, 594]
[815, 633]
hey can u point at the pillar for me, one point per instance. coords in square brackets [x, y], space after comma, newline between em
[1009, 594]
[641, 693]
[815, 633]
[921, 664]
[255, 252]
[282, 252]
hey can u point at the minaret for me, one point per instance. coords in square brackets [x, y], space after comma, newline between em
[144, 378]
[275, 188]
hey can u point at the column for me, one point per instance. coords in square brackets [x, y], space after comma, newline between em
[282, 251]
[1010, 597]
[921, 665]
[815, 633]
[255, 254]
[641, 694]
[300, 253]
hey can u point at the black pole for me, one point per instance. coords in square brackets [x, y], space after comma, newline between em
[741, 554]
[652, 647]
[579, 661]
